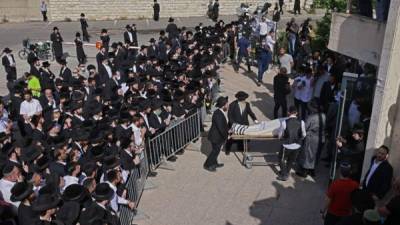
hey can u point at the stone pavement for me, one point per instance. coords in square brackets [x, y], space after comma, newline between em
[234, 195]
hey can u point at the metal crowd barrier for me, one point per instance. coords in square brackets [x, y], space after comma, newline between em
[135, 186]
[175, 138]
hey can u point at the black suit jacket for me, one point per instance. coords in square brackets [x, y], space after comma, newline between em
[280, 85]
[218, 133]
[235, 116]
[126, 161]
[127, 40]
[56, 167]
[66, 75]
[381, 181]
[103, 75]
[26, 215]
[10, 70]
[155, 123]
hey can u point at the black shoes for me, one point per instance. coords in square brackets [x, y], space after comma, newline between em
[219, 165]
[301, 174]
[227, 152]
[210, 169]
[282, 178]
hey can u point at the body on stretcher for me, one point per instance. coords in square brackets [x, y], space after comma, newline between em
[266, 130]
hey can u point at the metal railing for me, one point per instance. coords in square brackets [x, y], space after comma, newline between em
[175, 138]
[135, 187]
[161, 147]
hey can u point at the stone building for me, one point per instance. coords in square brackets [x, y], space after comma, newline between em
[379, 44]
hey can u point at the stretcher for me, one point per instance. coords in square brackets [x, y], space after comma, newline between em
[265, 131]
[248, 157]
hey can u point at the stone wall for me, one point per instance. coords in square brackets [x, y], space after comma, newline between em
[20, 10]
[127, 9]
[28, 10]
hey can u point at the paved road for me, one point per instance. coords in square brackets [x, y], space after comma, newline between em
[12, 35]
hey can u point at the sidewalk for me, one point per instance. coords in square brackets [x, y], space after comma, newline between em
[234, 195]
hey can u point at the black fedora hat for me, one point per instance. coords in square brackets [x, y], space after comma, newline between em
[152, 40]
[171, 19]
[30, 153]
[110, 162]
[20, 191]
[69, 213]
[97, 152]
[156, 104]
[103, 192]
[7, 50]
[179, 95]
[45, 202]
[241, 95]
[74, 192]
[45, 64]
[221, 101]
[41, 164]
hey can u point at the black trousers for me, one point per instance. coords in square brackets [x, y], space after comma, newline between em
[239, 60]
[85, 35]
[280, 103]
[296, 7]
[156, 16]
[44, 14]
[230, 142]
[331, 219]
[211, 160]
[287, 157]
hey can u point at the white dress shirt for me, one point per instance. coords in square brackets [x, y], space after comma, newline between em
[5, 189]
[263, 28]
[109, 71]
[116, 199]
[137, 134]
[4, 121]
[30, 108]
[68, 180]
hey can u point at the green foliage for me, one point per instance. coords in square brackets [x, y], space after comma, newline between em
[281, 40]
[337, 5]
[320, 42]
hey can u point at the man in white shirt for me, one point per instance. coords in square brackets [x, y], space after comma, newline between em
[292, 132]
[263, 26]
[285, 60]
[30, 106]
[271, 40]
[43, 10]
[113, 179]
[11, 175]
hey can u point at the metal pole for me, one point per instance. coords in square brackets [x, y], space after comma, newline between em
[338, 131]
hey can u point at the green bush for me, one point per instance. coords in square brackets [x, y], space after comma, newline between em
[321, 40]
[338, 5]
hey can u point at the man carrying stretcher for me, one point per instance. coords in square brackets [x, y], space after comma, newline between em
[292, 133]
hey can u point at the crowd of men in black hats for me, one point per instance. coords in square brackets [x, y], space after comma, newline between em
[68, 140]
